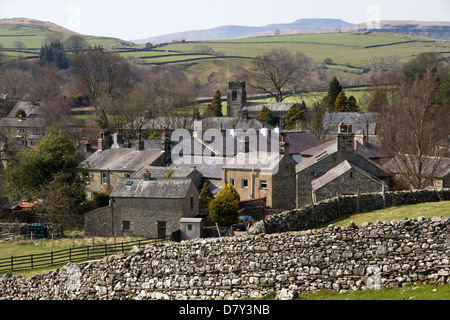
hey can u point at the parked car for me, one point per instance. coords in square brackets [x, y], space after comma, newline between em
[245, 222]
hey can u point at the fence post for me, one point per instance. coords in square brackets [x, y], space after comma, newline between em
[31, 261]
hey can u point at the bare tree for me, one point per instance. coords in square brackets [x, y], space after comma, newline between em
[103, 74]
[279, 73]
[15, 81]
[412, 125]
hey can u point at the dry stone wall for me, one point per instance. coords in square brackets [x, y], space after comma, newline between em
[384, 254]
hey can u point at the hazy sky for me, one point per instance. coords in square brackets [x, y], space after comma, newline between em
[138, 19]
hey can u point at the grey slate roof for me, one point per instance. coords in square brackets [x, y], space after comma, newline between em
[153, 188]
[159, 172]
[267, 162]
[300, 141]
[209, 167]
[256, 107]
[122, 159]
[31, 110]
[226, 123]
[25, 123]
[359, 121]
[337, 171]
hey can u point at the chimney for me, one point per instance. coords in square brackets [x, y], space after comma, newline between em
[165, 145]
[139, 143]
[127, 144]
[243, 145]
[284, 147]
[147, 175]
[233, 131]
[101, 144]
[365, 138]
[87, 146]
[345, 138]
[116, 140]
[244, 114]
[277, 130]
[196, 114]
[264, 131]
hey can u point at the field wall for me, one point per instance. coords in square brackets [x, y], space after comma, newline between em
[371, 256]
[312, 216]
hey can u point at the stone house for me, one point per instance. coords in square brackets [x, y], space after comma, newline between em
[144, 207]
[106, 165]
[338, 168]
[436, 170]
[258, 174]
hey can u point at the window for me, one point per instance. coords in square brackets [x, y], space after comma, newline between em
[232, 181]
[104, 178]
[263, 184]
[192, 202]
[126, 225]
[189, 227]
[244, 183]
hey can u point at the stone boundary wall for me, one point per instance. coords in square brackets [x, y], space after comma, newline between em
[311, 216]
[370, 256]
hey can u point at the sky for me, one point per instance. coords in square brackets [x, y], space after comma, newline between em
[140, 19]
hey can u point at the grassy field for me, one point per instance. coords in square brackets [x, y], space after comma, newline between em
[427, 210]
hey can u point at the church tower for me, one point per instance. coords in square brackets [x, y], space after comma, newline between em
[236, 98]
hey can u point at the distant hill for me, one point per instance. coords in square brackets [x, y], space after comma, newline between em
[430, 29]
[41, 26]
[34, 32]
[233, 31]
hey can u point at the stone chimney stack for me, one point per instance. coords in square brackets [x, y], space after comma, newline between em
[345, 138]
[264, 131]
[147, 175]
[127, 144]
[139, 143]
[102, 143]
[87, 146]
[243, 146]
[165, 145]
[284, 146]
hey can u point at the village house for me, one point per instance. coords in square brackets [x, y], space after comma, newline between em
[144, 207]
[435, 174]
[337, 168]
[106, 165]
[257, 174]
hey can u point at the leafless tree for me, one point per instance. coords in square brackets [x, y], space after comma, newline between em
[15, 82]
[412, 124]
[279, 73]
[103, 74]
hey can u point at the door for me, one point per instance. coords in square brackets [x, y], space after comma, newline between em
[161, 229]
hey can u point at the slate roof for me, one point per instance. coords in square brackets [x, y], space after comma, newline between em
[25, 123]
[267, 162]
[226, 123]
[299, 141]
[431, 168]
[122, 159]
[209, 167]
[337, 171]
[153, 188]
[159, 172]
[358, 120]
[256, 107]
[31, 110]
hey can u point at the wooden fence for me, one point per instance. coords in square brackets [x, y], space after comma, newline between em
[64, 256]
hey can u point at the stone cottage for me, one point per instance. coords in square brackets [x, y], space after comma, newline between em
[144, 207]
[106, 165]
[259, 174]
[338, 169]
